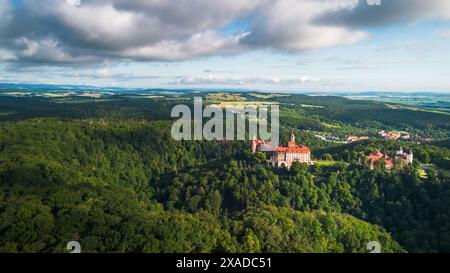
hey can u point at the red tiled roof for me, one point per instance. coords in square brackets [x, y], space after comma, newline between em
[374, 157]
[389, 162]
[299, 149]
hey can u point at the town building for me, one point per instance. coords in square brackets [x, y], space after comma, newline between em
[357, 138]
[390, 135]
[395, 135]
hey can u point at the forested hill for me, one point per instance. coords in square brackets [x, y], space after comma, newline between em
[129, 188]
[106, 172]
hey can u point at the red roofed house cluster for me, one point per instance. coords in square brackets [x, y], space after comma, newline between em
[357, 138]
[283, 156]
[376, 156]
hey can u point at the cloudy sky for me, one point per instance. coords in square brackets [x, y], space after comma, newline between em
[292, 45]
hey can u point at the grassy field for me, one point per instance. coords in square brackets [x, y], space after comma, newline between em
[267, 96]
[14, 94]
[422, 173]
[81, 100]
[57, 95]
[311, 106]
[220, 97]
[243, 103]
[325, 163]
[330, 126]
[143, 97]
[412, 108]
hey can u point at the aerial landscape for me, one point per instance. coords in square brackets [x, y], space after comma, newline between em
[79, 163]
[105, 147]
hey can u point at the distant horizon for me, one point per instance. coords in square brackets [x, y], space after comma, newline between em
[215, 89]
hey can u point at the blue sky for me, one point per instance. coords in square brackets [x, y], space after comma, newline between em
[290, 45]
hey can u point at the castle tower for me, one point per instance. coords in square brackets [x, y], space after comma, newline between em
[410, 157]
[291, 142]
[254, 144]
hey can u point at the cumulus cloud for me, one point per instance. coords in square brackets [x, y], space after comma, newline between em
[199, 44]
[290, 25]
[360, 13]
[45, 50]
[74, 3]
[148, 30]
[78, 32]
[6, 55]
[105, 73]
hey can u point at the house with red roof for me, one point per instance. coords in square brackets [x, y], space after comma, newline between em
[377, 156]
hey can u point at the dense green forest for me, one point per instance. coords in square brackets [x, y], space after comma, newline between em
[109, 175]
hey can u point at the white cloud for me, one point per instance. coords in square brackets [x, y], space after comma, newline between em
[108, 29]
[74, 3]
[291, 25]
[45, 50]
[389, 12]
[213, 79]
[6, 55]
[103, 72]
[199, 44]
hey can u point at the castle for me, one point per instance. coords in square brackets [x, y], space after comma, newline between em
[283, 156]
[405, 157]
